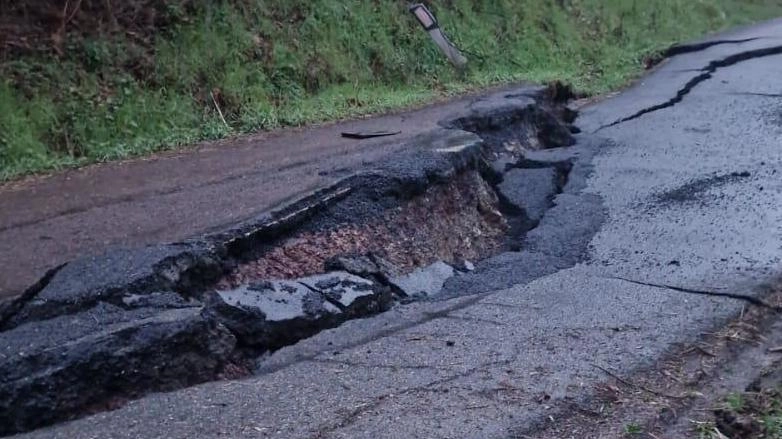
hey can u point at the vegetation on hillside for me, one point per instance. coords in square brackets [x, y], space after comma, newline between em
[92, 80]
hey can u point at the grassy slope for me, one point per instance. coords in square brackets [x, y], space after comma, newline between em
[271, 63]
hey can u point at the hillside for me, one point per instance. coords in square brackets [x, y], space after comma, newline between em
[89, 80]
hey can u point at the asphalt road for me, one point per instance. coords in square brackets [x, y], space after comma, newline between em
[692, 198]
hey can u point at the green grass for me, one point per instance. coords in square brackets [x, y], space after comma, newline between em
[771, 415]
[633, 429]
[743, 415]
[735, 401]
[274, 63]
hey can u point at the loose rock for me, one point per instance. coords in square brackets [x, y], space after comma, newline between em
[464, 266]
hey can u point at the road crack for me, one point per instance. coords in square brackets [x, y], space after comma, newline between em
[353, 416]
[681, 49]
[753, 300]
[765, 95]
[475, 320]
[706, 74]
[377, 366]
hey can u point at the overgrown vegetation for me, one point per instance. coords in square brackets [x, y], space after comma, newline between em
[748, 415]
[93, 80]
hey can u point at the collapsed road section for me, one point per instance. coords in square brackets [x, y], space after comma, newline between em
[99, 331]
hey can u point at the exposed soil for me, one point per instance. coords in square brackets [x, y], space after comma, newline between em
[454, 221]
[46, 25]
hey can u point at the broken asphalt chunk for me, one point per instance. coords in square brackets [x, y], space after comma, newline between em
[60, 368]
[367, 265]
[81, 284]
[426, 281]
[530, 190]
[272, 314]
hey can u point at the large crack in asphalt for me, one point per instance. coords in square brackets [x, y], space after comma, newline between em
[706, 74]
[121, 316]
[681, 49]
[434, 386]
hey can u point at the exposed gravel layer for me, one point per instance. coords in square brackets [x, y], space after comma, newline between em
[452, 221]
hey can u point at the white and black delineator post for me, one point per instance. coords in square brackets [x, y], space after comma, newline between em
[429, 22]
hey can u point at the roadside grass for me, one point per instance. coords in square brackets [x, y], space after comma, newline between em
[267, 64]
[748, 415]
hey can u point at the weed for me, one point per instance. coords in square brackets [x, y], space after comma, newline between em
[707, 430]
[773, 425]
[735, 401]
[633, 429]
